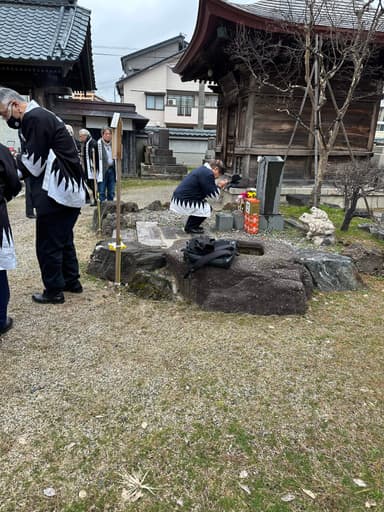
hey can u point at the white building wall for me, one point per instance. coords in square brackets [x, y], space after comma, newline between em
[8, 136]
[135, 89]
[189, 152]
[162, 80]
[174, 82]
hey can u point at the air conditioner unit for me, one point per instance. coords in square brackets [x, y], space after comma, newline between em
[172, 102]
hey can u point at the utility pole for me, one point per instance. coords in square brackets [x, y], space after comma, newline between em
[201, 106]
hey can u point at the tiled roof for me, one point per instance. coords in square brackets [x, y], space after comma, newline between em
[180, 38]
[42, 30]
[330, 13]
[151, 66]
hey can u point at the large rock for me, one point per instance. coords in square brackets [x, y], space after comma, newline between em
[264, 279]
[136, 257]
[151, 285]
[108, 210]
[369, 260]
[330, 272]
[298, 199]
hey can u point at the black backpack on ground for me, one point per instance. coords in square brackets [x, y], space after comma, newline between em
[203, 250]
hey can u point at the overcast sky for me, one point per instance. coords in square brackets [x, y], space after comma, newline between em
[120, 27]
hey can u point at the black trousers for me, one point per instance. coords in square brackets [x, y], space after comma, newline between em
[56, 251]
[193, 222]
[4, 297]
[91, 187]
[28, 198]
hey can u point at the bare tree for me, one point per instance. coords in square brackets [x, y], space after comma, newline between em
[304, 59]
[356, 180]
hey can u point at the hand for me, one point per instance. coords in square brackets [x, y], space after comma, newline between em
[222, 183]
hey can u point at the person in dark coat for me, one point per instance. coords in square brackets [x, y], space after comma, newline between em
[190, 197]
[106, 166]
[50, 159]
[9, 187]
[89, 158]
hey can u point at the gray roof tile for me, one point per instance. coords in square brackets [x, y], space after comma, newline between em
[42, 30]
[326, 13]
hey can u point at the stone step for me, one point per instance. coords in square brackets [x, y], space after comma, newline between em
[163, 160]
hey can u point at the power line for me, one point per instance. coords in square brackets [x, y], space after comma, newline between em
[114, 47]
[108, 54]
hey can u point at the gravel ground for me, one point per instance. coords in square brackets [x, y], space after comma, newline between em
[107, 384]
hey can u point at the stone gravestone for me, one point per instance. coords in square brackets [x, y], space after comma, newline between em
[211, 147]
[159, 161]
[268, 186]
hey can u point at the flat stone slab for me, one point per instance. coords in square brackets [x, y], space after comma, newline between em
[127, 235]
[149, 233]
[153, 235]
[173, 233]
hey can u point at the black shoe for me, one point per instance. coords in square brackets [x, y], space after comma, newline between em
[31, 216]
[42, 298]
[75, 288]
[8, 325]
[195, 230]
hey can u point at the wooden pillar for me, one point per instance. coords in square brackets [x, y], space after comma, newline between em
[248, 132]
[374, 119]
[39, 95]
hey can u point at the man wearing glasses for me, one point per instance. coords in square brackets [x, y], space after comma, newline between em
[50, 160]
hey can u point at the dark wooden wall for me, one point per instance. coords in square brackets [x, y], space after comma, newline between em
[249, 125]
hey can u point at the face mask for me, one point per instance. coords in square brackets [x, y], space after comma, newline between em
[14, 123]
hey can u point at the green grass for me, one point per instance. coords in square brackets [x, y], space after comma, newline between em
[336, 215]
[127, 183]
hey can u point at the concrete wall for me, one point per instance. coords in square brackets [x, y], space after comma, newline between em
[8, 137]
[189, 152]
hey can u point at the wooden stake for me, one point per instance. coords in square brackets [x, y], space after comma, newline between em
[117, 132]
[96, 194]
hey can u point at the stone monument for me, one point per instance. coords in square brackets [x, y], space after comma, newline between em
[159, 161]
[268, 186]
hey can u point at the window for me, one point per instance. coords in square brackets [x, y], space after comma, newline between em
[211, 101]
[184, 104]
[154, 102]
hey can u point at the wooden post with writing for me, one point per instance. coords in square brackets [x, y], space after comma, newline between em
[117, 133]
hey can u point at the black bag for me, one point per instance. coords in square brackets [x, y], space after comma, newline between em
[203, 250]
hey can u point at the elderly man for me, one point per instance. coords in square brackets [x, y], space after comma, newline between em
[50, 159]
[190, 197]
[88, 152]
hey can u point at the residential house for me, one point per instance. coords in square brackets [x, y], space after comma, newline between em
[159, 94]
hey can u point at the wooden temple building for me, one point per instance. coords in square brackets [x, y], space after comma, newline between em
[45, 48]
[46, 54]
[249, 125]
